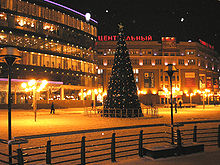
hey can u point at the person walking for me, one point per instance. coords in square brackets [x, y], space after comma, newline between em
[175, 107]
[180, 103]
[92, 105]
[52, 109]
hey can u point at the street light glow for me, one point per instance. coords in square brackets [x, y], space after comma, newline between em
[31, 82]
[32, 86]
[87, 16]
[24, 85]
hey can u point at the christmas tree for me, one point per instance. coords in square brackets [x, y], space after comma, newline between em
[122, 99]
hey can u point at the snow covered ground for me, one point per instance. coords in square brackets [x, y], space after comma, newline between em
[74, 119]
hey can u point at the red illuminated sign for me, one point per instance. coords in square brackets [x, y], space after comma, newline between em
[206, 44]
[127, 38]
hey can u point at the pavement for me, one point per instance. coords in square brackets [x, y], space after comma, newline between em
[205, 158]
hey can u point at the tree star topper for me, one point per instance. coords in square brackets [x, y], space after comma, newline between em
[120, 27]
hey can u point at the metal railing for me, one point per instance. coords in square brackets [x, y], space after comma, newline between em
[200, 132]
[3, 155]
[146, 112]
[91, 146]
[108, 144]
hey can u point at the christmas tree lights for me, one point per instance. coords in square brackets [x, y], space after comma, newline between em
[122, 99]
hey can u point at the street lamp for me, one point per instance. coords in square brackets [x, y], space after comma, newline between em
[33, 86]
[10, 54]
[88, 17]
[170, 69]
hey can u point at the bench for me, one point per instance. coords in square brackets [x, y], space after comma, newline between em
[172, 150]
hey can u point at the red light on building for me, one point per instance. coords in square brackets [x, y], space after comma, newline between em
[168, 38]
[206, 44]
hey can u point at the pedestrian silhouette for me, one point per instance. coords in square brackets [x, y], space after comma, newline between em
[180, 103]
[175, 107]
[92, 105]
[52, 110]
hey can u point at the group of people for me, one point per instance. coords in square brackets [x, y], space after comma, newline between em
[180, 102]
[52, 108]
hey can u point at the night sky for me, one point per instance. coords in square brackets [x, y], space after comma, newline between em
[183, 19]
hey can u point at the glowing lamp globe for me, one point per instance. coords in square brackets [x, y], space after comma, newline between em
[87, 16]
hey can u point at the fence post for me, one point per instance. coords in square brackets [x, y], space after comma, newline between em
[113, 148]
[20, 157]
[83, 151]
[219, 136]
[48, 152]
[141, 144]
[179, 142]
[195, 134]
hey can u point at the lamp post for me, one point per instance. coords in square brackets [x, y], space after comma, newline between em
[10, 54]
[32, 85]
[170, 69]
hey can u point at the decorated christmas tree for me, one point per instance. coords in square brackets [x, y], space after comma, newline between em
[122, 99]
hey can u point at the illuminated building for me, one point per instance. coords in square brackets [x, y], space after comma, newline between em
[197, 64]
[55, 42]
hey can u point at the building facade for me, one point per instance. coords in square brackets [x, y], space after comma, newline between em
[197, 64]
[55, 42]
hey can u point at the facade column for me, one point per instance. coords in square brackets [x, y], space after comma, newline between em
[61, 93]
[48, 96]
[180, 79]
[81, 97]
[15, 91]
[93, 97]
[6, 95]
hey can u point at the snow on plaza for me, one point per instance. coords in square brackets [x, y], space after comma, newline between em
[75, 119]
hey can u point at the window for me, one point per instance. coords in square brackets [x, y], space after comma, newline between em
[191, 62]
[136, 79]
[4, 4]
[190, 52]
[110, 62]
[149, 80]
[25, 23]
[134, 62]
[100, 71]
[166, 54]
[158, 61]
[147, 62]
[166, 78]
[181, 61]
[134, 51]
[34, 62]
[3, 17]
[172, 54]
[161, 78]
[136, 71]
[149, 52]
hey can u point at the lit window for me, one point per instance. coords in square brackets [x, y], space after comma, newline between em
[135, 71]
[189, 52]
[100, 71]
[191, 62]
[136, 79]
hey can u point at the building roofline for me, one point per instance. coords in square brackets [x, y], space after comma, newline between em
[67, 8]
